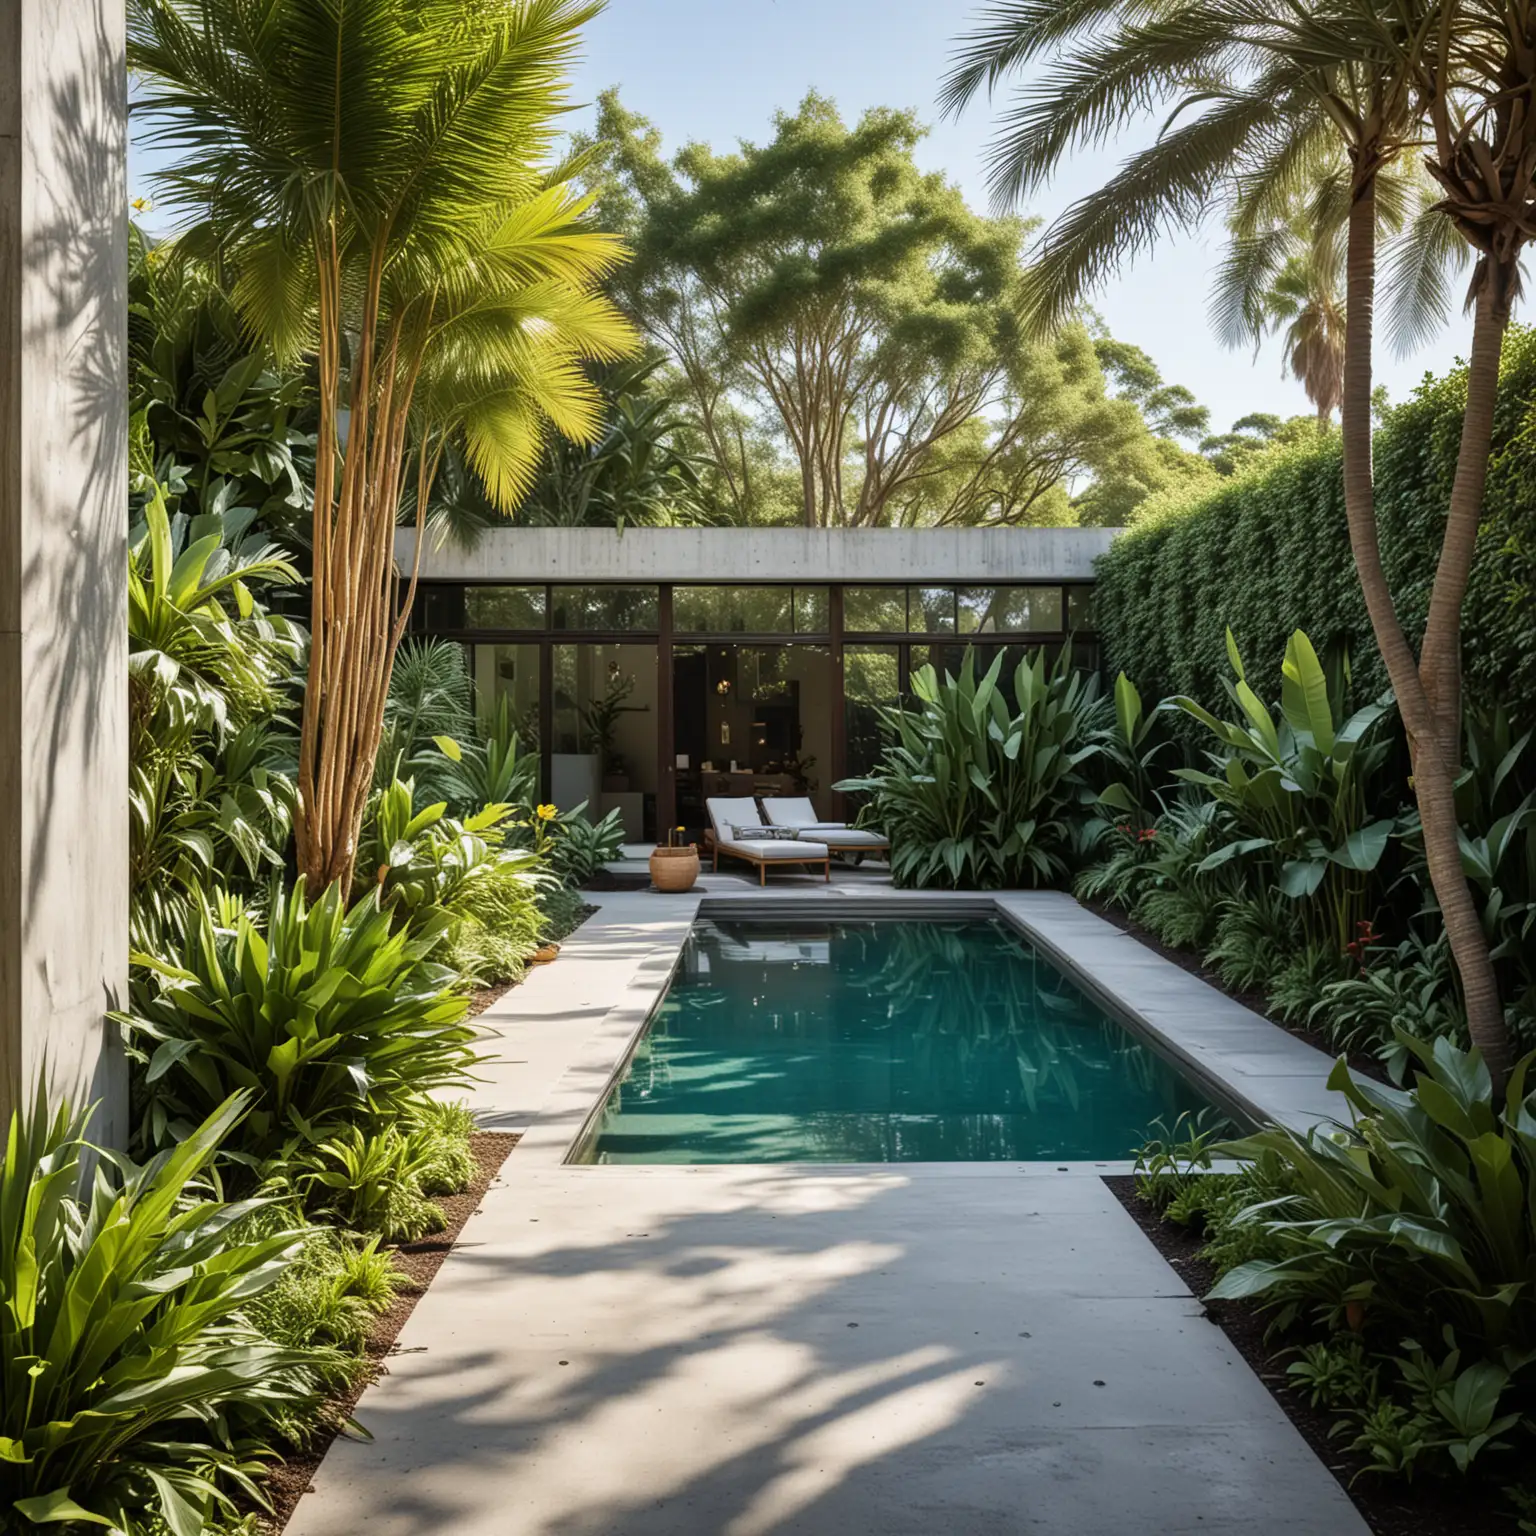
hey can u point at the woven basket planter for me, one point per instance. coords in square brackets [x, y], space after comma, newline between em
[674, 869]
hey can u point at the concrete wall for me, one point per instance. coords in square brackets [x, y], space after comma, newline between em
[767, 554]
[63, 449]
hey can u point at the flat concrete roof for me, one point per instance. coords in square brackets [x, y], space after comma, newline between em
[745, 555]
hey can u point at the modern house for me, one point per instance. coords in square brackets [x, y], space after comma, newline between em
[654, 667]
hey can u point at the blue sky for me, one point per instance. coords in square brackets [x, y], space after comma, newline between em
[717, 70]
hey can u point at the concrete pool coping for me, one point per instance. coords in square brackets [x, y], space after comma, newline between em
[1243, 1062]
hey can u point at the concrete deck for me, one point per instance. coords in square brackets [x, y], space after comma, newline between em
[955, 1350]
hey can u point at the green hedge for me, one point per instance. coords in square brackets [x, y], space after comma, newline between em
[1269, 553]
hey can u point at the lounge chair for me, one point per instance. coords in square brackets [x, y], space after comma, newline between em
[725, 816]
[797, 812]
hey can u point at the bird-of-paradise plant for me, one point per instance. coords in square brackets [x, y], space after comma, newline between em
[380, 176]
[1256, 101]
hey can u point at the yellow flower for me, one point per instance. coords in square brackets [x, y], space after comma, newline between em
[547, 813]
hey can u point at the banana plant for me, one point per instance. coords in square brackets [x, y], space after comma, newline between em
[1297, 787]
[1132, 745]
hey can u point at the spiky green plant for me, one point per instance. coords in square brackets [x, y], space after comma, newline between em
[132, 1384]
[327, 1015]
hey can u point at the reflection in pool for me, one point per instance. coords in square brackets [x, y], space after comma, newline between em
[881, 1042]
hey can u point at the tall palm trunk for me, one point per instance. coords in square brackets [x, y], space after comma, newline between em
[1433, 767]
[1440, 655]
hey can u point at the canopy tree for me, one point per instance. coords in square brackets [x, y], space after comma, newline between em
[380, 177]
[1256, 104]
[820, 289]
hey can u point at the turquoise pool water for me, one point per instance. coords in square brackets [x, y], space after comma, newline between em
[879, 1042]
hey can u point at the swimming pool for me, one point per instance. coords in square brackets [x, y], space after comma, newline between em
[879, 1041]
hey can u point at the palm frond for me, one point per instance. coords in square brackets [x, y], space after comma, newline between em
[1420, 265]
[1087, 97]
[1010, 36]
[1171, 184]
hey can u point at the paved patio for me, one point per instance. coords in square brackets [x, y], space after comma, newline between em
[952, 1349]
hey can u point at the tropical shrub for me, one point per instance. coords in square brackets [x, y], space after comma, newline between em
[329, 1295]
[434, 871]
[1297, 790]
[1256, 934]
[208, 795]
[575, 846]
[135, 1385]
[1420, 1214]
[978, 792]
[1412, 980]
[328, 1017]
[497, 767]
[1496, 805]
[1176, 894]
[211, 416]
[428, 705]
[1132, 745]
[1402, 1247]
[370, 1180]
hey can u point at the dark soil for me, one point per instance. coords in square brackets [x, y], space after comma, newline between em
[619, 880]
[1359, 1063]
[290, 1480]
[1389, 1508]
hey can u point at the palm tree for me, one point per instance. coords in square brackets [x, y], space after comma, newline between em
[380, 179]
[1307, 301]
[1260, 102]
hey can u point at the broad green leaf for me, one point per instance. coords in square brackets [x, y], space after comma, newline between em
[1304, 692]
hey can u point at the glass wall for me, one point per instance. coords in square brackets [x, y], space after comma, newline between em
[603, 745]
[871, 678]
[504, 607]
[752, 688]
[510, 674]
[749, 610]
[607, 607]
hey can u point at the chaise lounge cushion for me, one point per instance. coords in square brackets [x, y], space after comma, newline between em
[798, 815]
[734, 821]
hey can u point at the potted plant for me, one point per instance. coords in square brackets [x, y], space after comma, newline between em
[674, 866]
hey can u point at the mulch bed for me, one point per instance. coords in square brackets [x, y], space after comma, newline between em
[1389, 1508]
[1361, 1064]
[290, 1480]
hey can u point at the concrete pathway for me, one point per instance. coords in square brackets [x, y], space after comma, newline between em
[952, 1350]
